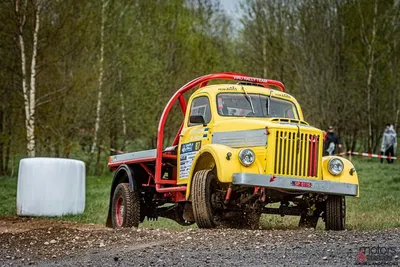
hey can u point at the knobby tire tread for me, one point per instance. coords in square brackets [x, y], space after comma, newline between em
[201, 199]
[131, 216]
[334, 213]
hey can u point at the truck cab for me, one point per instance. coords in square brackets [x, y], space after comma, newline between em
[243, 149]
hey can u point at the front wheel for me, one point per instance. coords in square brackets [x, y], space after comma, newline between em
[335, 213]
[204, 186]
[125, 207]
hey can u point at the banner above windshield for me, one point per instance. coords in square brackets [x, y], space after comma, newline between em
[240, 105]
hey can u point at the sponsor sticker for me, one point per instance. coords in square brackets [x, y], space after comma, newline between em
[220, 102]
[250, 79]
[228, 88]
[283, 95]
[188, 153]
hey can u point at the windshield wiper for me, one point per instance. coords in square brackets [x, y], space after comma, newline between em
[248, 98]
[269, 102]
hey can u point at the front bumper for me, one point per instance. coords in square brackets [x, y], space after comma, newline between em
[295, 184]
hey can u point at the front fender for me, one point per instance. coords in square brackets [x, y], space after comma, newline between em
[216, 156]
[344, 177]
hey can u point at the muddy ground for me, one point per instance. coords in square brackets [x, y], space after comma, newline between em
[43, 242]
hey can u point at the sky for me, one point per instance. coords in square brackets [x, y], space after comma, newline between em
[231, 6]
[232, 9]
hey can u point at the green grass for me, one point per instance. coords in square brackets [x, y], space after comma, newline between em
[377, 207]
[8, 196]
[379, 202]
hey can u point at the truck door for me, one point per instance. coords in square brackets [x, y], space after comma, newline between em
[193, 136]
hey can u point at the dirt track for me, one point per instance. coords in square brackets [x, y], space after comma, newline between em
[41, 242]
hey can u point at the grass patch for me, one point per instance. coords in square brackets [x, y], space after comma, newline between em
[377, 207]
[8, 196]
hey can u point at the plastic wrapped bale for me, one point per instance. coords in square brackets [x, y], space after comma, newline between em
[50, 187]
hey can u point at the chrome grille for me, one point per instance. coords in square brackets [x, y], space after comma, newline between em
[296, 154]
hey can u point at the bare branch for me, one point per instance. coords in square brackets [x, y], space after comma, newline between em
[50, 94]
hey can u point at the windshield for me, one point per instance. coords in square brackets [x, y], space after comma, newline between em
[238, 105]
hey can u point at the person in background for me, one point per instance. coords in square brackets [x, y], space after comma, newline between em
[389, 142]
[331, 141]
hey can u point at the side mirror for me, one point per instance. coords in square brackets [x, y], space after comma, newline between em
[197, 119]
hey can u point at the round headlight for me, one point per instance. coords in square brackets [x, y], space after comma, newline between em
[335, 166]
[246, 157]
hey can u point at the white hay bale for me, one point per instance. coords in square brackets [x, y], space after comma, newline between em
[50, 187]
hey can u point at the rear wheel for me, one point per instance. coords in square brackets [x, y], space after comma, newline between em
[204, 187]
[125, 207]
[335, 213]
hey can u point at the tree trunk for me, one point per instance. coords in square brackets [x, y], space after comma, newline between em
[354, 141]
[29, 93]
[7, 156]
[101, 74]
[371, 54]
[370, 64]
[97, 170]
[113, 136]
[264, 52]
[123, 121]
[32, 95]
[2, 137]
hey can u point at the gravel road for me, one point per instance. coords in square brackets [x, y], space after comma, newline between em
[66, 244]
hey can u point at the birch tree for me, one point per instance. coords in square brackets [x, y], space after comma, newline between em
[101, 75]
[28, 76]
[369, 43]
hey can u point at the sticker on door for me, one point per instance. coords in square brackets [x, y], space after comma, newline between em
[188, 153]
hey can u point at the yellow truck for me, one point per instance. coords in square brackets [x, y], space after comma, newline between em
[243, 149]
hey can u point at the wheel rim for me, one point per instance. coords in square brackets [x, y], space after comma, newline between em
[119, 211]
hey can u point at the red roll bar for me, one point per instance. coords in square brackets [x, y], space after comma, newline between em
[202, 81]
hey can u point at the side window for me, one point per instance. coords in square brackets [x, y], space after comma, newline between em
[201, 106]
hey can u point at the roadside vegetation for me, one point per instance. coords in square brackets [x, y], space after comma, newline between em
[377, 207]
[87, 76]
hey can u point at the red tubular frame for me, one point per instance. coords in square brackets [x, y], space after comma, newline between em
[201, 81]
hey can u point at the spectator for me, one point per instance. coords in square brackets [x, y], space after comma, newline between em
[331, 141]
[389, 142]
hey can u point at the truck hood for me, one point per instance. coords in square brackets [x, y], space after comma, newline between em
[242, 124]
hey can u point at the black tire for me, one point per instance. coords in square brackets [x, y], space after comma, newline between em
[203, 183]
[125, 207]
[335, 213]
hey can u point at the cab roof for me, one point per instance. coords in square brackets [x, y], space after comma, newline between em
[238, 88]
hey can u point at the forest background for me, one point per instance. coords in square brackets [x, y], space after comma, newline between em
[80, 77]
